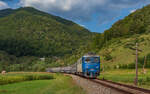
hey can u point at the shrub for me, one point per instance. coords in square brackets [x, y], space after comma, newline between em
[141, 82]
[148, 79]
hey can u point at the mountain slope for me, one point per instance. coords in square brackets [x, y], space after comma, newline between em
[114, 45]
[27, 31]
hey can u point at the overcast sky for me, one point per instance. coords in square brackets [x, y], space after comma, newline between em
[95, 15]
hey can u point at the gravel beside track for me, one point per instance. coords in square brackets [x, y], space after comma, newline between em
[95, 86]
[92, 87]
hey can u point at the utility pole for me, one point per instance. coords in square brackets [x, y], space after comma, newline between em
[136, 65]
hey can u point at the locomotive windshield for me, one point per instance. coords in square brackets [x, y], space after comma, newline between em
[91, 59]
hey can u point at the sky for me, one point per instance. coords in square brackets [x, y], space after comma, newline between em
[95, 15]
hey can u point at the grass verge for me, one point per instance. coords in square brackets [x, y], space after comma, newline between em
[60, 85]
[127, 76]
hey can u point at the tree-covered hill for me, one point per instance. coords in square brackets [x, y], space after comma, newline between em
[27, 34]
[115, 44]
[136, 23]
[27, 31]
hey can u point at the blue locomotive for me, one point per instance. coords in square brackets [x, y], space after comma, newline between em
[88, 66]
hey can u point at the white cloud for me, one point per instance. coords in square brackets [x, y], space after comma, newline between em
[132, 10]
[64, 5]
[82, 25]
[83, 10]
[3, 5]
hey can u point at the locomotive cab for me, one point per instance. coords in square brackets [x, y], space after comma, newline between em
[91, 66]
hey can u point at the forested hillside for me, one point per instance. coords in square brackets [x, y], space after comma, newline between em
[27, 31]
[30, 32]
[114, 45]
[136, 23]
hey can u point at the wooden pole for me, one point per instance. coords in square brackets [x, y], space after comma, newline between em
[136, 65]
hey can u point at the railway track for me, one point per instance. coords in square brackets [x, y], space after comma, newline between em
[128, 86]
[122, 88]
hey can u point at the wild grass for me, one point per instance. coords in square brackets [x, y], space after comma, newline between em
[20, 77]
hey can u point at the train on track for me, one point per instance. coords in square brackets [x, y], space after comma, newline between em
[87, 66]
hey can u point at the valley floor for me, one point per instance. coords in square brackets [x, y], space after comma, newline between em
[127, 76]
[59, 85]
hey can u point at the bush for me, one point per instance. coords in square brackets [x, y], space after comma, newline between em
[141, 81]
[148, 79]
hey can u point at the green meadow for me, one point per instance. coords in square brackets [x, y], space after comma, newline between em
[44, 84]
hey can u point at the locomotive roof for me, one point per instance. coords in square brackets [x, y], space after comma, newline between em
[90, 54]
